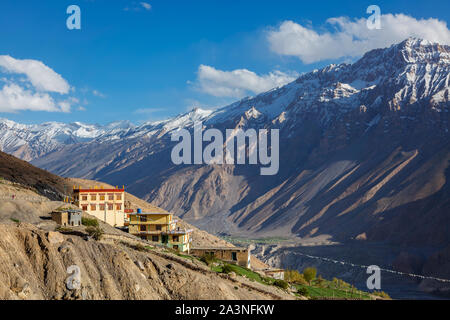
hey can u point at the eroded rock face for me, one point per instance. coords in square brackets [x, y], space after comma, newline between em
[33, 267]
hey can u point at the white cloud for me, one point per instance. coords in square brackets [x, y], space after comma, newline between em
[146, 6]
[138, 6]
[238, 83]
[98, 94]
[14, 98]
[35, 91]
[352, 38]
[41, 77]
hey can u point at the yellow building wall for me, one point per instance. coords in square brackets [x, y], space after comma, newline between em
[113, 217]
[164, 220]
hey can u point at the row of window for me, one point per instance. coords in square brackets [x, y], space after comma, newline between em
[156, 238]
[101, 207]
[213, 254]
[101, 197]
[144, 227]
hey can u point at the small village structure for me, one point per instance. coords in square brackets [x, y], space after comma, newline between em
[234, 255]
[106, 205]
[160, 227]
[67, 217]
[109, 206]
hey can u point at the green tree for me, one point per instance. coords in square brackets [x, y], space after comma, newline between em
[293, 276]
[310, 274]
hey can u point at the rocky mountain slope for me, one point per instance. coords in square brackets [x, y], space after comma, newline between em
[38, 180]
[34, 264]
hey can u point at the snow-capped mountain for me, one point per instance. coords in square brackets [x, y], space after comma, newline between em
[32, 141]
[29, 142]
[394, 78]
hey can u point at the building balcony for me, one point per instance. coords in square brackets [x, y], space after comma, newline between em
[142, 233]
[178, 232]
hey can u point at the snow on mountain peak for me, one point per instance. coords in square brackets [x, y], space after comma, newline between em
[394, 77]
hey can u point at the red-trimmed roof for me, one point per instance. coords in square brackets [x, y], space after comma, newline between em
[98, 190]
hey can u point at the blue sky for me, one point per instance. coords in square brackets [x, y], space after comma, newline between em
[149, 61]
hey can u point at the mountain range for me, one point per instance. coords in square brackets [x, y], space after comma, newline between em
[364, 155]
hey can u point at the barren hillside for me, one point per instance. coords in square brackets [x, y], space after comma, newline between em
[33, 265]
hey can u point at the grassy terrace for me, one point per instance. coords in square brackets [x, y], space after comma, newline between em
[241, 271]
[318, 289]
[327, 292]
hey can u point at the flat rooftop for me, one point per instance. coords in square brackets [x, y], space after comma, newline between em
[67, 210]
[97, 190]
[220, 248]
[149, 213]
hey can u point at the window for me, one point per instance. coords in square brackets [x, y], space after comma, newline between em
[102, 207]
[84, 207]
[119, 197]
[175, 247]
[93, 207]
[110, 206]
[102, 197]
[143, 218]
[84, 198]
[111, 197]
[234, 256]
[93, 197]
[155, 238]
[158, 227]
[119, 206]
[144, 237]
[142, 228]
[175, 239]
